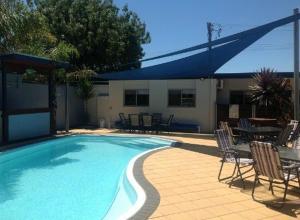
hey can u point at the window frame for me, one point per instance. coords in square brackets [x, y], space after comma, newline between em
[244, 94]
[194, 105]
[136, 97]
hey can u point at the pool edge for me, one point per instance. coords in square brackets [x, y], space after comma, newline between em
[148, 197]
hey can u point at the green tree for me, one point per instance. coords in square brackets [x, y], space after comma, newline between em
[24, 29]
[84, 86]
[107, 39]
[272, 94]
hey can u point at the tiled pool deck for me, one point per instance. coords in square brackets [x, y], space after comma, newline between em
[186, 179]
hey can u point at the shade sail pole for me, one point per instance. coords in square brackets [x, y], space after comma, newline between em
[296, 65]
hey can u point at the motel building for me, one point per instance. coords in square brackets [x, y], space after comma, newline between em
[188, 87]
[197, 104]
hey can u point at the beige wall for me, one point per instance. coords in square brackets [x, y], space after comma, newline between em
[223, 95]
[203, 114]
[94, 105]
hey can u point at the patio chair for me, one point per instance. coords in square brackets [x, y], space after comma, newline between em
[296, 144]
[230, 156]
[233, 139]
[294, 122]
[167, 124]
[141, 117]
[244, 123]
[147, 123]
[267, 163]
[134, 122]
[296, 130]
[284, 136]
[124, 121]
[156, 121]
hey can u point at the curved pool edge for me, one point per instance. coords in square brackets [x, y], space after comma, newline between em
[148, 197]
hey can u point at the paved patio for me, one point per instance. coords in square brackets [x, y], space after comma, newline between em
[186, 179]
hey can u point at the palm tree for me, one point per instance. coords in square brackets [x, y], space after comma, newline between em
[272, 93]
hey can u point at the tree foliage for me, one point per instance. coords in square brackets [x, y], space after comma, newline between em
[23, 29]
[273, 93]
[107, 39]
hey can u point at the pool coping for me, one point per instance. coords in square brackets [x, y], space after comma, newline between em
[148, 197]
[152, 197]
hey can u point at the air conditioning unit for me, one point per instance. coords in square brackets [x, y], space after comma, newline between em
[220, 83]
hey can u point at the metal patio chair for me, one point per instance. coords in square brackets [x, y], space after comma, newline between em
[167, 124]
[267, 163]
[244, 123]
[156, 121]
[134, 122]
[296, 144]
[296, 130]
[124, 121]
[233, 139]
[230, 156]
[284, 136]
[147, 123]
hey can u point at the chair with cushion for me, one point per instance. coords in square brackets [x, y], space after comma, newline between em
[267, 163]
[230, 156]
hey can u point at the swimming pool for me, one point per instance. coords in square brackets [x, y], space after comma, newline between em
[77, 177]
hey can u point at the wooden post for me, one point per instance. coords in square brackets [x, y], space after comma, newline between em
[296, 65]
[4, 105]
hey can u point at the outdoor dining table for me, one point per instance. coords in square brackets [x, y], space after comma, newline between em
[251, 132]
[285, 153]
[263, 121]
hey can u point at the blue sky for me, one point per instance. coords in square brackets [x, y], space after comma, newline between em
[177, 24]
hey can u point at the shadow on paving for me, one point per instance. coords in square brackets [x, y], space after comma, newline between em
[290, 207]
[198, 148]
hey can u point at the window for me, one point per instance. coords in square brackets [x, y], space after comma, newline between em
[136, 97]
[240, 97]
[182, 98]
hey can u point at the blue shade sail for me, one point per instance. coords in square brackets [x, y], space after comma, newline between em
[203, 64]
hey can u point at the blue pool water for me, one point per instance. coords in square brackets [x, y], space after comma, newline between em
[70, 178]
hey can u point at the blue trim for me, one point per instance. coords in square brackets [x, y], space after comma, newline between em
[248, 75]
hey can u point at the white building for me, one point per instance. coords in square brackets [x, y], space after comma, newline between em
[187, 87]
[192, 101]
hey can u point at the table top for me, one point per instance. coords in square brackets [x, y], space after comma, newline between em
[258, 130]
[263, 119]
[285, 153]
